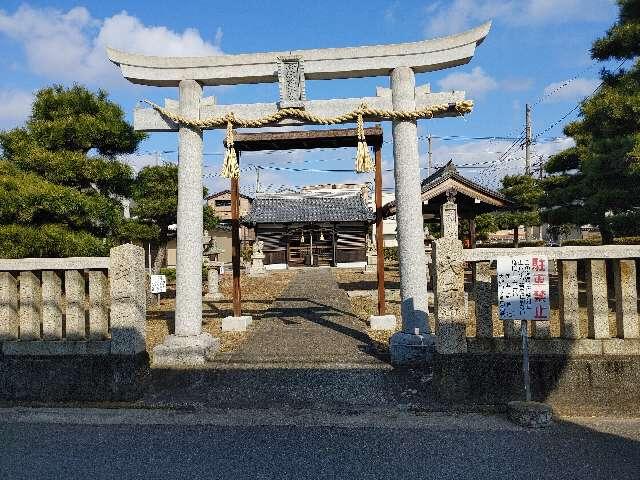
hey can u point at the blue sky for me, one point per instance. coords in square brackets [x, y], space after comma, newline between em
[534, 47]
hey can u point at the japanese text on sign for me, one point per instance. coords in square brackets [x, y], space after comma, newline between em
[158, 283]
[523, 288]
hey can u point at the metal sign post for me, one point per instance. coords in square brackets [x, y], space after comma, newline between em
[525, 360]
[523, 294]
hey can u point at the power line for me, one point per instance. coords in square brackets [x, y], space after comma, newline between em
[554, 124]
[564, 84]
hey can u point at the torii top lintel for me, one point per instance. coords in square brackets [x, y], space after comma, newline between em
[320, 64]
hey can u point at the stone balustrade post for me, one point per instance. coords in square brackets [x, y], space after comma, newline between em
[128, 299]
[98, 305]
[568, 298]
[624, 278]
[51, 305]
[448, 281]
[9, 323]
[597, 299]
[30, 306]
[74, 291]
[512, 328]
[483, 299]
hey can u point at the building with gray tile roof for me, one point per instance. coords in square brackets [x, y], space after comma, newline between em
[306, 208]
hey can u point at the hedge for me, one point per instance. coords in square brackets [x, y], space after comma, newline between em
[582, 243]
[626, 241]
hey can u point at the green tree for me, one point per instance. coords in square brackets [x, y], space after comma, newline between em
[525, 192]
[60, 184]
[597, 181]
[155, 208]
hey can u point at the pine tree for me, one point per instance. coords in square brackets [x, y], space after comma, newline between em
[60, 184]
[597, 181]
[155, 208]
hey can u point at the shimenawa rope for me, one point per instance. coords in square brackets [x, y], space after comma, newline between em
[230, 168]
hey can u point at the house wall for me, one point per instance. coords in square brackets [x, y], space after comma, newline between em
[221, 205]
[223, 240]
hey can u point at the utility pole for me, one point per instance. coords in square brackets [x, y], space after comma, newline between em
[257, 180]
[540, 171]
[429, 165]
[527, 142]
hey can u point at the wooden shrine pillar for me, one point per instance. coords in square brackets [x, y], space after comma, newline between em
[379, 230]
[235, 242]
[472, 231]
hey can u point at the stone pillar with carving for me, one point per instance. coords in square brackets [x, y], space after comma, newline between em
[449, 216]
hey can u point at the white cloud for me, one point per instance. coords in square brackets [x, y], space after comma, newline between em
[70, 46]
[570, 90]
[138, 161]
[453, 16]
[16, 107]
[476, 83]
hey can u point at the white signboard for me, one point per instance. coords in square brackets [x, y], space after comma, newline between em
[158, 283]
[523, 288]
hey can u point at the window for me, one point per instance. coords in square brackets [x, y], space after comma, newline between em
[223, 203]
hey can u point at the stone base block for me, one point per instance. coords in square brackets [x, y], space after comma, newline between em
[213, 297]
[177, 351]
[361, 293]
[254, 272]
[621, 346]
[408, 349]
[581, 385]
[73, 378]
[382, 322]
[236, 324]
[57, 347]
[530, 414]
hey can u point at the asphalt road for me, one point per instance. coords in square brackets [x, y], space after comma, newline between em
[456, 447]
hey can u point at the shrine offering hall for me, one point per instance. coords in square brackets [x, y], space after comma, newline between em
[312, 229]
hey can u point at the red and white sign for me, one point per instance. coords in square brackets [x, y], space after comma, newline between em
[523, 288]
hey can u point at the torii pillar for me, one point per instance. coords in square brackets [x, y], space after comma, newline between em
[188, 345]
[414, 343]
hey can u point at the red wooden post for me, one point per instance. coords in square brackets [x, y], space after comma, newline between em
[235, 243]
[379, 229]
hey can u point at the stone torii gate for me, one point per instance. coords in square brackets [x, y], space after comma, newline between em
[190, 74]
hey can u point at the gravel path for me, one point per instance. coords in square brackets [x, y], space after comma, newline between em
[310, 323]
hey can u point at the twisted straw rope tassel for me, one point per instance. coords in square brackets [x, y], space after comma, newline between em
[363, 156]
[230, 167]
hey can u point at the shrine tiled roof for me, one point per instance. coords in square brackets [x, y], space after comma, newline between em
[447, 172]
[450, 171]
[308, 208]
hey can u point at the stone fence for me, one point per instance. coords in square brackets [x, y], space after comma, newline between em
[598, 321]
[70, 314]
